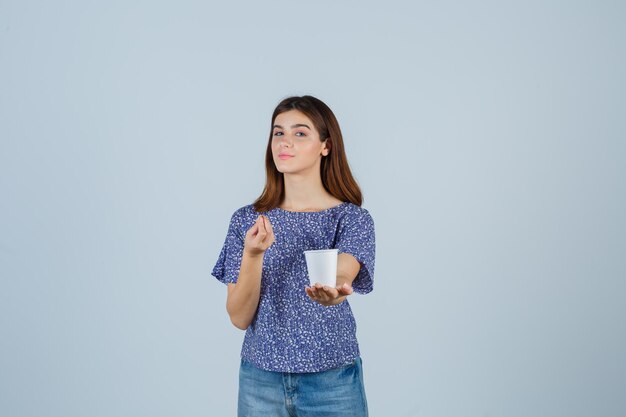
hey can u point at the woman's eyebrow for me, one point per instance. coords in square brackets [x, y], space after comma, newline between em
[294, 126]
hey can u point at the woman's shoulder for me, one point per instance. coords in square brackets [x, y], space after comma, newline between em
[245, 212]
[355, 209]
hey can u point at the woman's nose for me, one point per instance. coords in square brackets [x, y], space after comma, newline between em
[286, 140]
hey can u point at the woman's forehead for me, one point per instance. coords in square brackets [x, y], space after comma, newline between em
[292, 117]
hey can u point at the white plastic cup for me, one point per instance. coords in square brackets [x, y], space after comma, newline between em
[322, 266]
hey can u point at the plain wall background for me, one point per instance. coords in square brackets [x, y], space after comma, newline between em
[488, 138]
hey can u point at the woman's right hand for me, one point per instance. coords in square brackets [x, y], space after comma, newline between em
[259, 237]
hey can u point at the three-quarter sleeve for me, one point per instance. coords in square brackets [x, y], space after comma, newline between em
[356, 237]
[227, 267]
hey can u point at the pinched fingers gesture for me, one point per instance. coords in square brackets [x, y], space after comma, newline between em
[259, 237]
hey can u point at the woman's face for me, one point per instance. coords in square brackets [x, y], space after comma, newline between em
[296, 145]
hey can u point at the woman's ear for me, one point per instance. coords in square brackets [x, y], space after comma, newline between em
[326, 148]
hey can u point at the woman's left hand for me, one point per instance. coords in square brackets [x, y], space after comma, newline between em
[328, 296]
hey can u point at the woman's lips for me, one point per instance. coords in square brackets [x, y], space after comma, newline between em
[285, 156]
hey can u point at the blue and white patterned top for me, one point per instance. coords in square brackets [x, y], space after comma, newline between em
[291, 332]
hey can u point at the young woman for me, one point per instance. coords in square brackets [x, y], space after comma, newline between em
[300, 355]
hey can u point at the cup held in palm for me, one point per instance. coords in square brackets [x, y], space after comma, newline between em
[322, 266]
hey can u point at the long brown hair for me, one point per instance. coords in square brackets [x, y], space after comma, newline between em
[336, 176]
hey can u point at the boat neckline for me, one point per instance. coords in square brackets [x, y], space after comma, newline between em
[320, 211]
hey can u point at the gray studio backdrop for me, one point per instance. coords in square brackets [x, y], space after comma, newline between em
[488, 138]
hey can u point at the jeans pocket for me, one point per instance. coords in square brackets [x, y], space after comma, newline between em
[352, 364]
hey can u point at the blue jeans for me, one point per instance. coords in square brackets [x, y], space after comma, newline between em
[335, 392]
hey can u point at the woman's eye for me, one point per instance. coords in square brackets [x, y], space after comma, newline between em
[278, 133]
[300, 134]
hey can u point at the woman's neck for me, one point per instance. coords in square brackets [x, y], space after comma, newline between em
[304, 193]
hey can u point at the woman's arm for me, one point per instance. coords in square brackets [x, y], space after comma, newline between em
[243, 297]
[347, 269]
